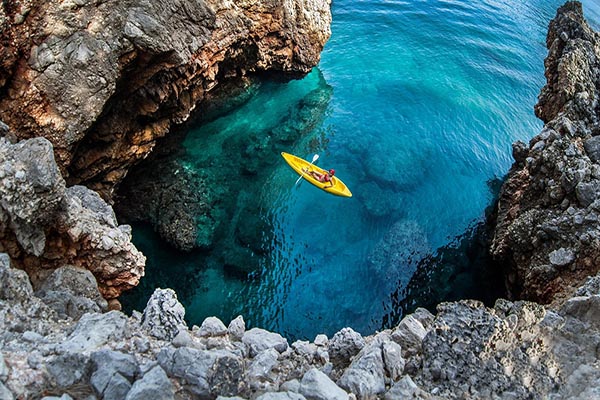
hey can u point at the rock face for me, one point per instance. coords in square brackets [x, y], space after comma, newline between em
[547, 227]
[516, 350]
[103, 79]
[44, 226]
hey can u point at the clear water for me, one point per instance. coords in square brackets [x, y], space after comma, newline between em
[427, 98]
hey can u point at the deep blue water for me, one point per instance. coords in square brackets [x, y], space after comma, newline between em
[427, 97]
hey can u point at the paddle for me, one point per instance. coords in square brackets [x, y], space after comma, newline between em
[315, 158]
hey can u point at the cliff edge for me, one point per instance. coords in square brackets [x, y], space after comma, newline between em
[101, 80]
[547, 232]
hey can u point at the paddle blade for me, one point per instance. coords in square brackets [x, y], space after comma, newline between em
[315, 158]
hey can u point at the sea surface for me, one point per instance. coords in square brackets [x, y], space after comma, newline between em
[423, 101]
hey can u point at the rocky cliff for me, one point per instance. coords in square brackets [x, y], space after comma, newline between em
[547, 232]
[45, 225]
[55, 340]
[55, 343]
[102, 79]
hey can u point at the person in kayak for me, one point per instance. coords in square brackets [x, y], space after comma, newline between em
[326, 177]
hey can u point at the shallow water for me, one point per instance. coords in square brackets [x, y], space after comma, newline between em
[427, 97]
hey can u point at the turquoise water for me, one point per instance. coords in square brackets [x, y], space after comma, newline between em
[419, 102]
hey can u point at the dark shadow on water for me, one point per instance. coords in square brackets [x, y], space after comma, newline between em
[200, 190]
[463, 269]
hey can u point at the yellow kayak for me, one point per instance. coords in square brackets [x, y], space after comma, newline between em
[302, 167]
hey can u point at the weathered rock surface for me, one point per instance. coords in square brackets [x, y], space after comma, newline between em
[547, 226]
[45, 226]
[517, 350]
[195, 201]
[102, 80]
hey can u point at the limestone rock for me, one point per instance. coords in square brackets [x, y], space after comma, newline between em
[5, 394]
[281, 396]
[365, 376]
[163, 316]
[548, 201]
[315, 385]
[31, 190]
[14, 283]
[68, 369]
[409, 334]
[93, 331]
[44, 225]
[237, 328]
[208, 372]
[405, 388]
[212, 326]
[259, 370]
[344, 345]
[3, 369]
[393, 361]
[258, 340]
[72, 291]
[154, 384]
[103, 81]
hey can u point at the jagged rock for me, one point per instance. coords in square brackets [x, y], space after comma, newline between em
[212, 326]
[14, 283]
[281, 396]
[259, 370]
[31, 190]
[424, 317]
[409, 334]
[315, 385]
[72, 291]
[291, 386]
[561, 257]
[115, 362]
[590, 288]
[183, 339]
[592, 148]
[103, 114]
[163, 316]
[344, 345]
[405, 388]
[258, 340]
[68, 369]
[116, 388]
[44, 225]
[93, 331]
[237, 328]
[547, 200]
[207, 372]
[5, 394]
[321, 340]
[392, 359]
[153, 385]
[3, 369]
[365, 376]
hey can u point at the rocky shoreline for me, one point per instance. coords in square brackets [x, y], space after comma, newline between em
[63, 254]
[55, 343]
[547, 233]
